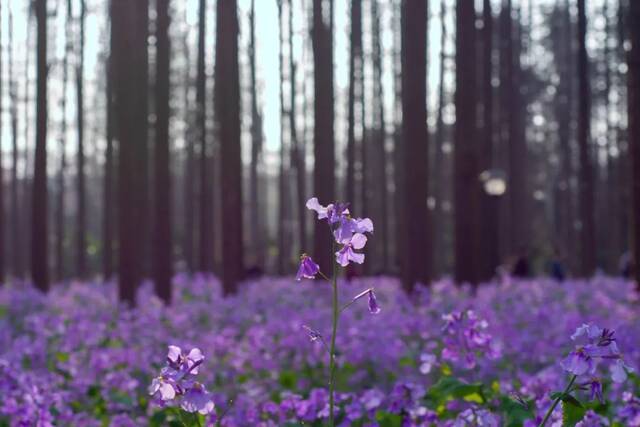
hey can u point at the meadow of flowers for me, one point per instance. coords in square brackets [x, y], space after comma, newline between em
[76, 358]
[295, 351]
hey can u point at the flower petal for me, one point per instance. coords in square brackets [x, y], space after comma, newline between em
[358, 241]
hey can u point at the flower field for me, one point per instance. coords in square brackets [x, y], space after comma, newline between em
[441, 357]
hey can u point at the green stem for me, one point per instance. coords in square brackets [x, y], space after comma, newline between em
[557, 400]
[177, 411]
[332, 351]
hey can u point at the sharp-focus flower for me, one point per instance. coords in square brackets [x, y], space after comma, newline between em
[347, 254]
[596, 344]
[348, 226]
[332, 212]
[308, 268]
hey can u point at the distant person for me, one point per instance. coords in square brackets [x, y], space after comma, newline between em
[521, 267]
[558, 271]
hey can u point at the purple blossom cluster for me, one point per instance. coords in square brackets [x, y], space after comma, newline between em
[348, 232]
[77, 358]
[176, 381]
[466, 337]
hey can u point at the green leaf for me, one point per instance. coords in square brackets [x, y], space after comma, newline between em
[572, 411]
[386, 419]
[288, 379]
[449, 387]
[62, 357]
[515, 414]
[570, 399]
[407, 361]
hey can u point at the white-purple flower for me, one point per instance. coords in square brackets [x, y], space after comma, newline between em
[163, 388]
[177, 381]
[347, 253]
[332, 212]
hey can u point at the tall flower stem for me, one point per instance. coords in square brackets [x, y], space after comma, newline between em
[332, 352]
[557, 400]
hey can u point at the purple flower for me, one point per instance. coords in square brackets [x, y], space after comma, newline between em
[427, 361]
[619, 371]
[374, 308]
[176, 380]
[592, 332]
[578, 362]
[348, 226]
[313, 334]
[466, 338]
[163, 387]
[185, 362]
[197, 399]
[595, 389]
[332, 212]
[598, 344]
[308, 268]
[347, 254]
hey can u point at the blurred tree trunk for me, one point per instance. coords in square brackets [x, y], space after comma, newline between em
[297, 144]
[611, 244]
[355, 83]
[109, 213]
[284, 245]
[162, 235]
[60, 208]
[380, 133]
[206, 237]
[81, 247]
[129, 41]
[190, 164]
[17, 259]
[227, 101]
[488, 252]
[398, 146]
[509, 61]
[466, 182]
[256, 151]
[27, 181]
[563, 55]
[587, 208]
[323, 132]
[634, 130]
[39, 232]
[438, 178]
[416, 254]
[2, 187]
